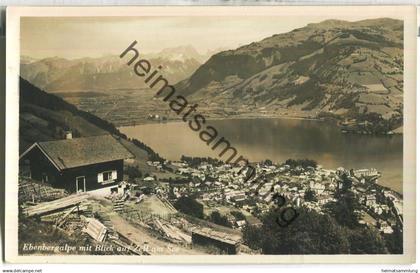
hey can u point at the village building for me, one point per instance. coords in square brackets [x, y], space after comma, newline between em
[78, 164]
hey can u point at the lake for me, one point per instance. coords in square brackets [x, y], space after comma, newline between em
[280, 139]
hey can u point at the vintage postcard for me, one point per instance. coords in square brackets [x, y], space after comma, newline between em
[266, 134]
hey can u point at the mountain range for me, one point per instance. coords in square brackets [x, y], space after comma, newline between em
[336, 67]
[106, 73]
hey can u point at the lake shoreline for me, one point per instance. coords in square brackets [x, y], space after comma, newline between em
[278, 139]
[147, 122]
[397, 131]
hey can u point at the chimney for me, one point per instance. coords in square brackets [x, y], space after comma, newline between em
[69, 135]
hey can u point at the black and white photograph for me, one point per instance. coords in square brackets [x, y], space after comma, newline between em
[234, 133]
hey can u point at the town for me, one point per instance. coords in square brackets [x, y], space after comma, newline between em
[310, 187]
[191, 206]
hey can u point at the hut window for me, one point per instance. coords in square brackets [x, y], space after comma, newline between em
[107, 177]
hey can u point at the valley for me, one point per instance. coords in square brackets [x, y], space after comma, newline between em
[351, 72]
[134, 107]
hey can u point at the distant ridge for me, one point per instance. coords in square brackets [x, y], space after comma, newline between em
[56, 74]
[333, 67]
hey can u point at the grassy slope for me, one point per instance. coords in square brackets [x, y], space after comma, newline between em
[326, 67]
[44, 116]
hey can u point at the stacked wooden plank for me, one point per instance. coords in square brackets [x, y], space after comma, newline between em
[167, 203]
[63, 219]
[55, 216]
[119, 205]
[30, 190]
[105, 220]
[95, 229]
[56, 205]
[171, 232]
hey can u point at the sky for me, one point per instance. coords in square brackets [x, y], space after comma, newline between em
[77, 37]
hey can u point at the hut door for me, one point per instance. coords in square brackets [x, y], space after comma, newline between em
[44, 178]
[80, 184]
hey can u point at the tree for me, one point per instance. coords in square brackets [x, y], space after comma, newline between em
[219, 219]
[311, 233]
[252, 236]
[394, 242]
[366, 241]
[347, 183]
[196, 161]
[189, 206]
[268, 162]
[310, 196]
[238, 215]
[133, 172]
[344, 210]
[304, 163]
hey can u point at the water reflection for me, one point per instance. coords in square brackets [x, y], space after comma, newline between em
[280, 139]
